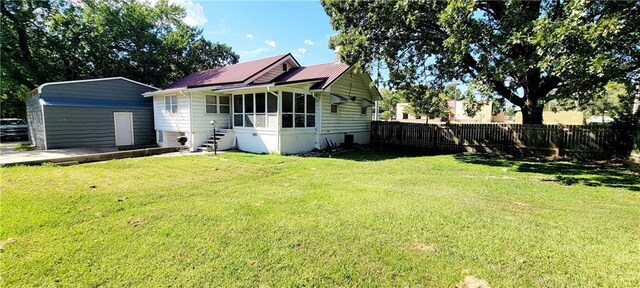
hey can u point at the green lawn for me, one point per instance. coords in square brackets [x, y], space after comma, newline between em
[357, 219]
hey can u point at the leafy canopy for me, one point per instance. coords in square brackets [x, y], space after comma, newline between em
[44, 41]
[526, 52]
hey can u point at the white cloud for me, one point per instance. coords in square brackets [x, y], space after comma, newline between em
[271, 43]
[308, 42]
[249, 36]
[194, 11]
[250, 54]
[302, 50]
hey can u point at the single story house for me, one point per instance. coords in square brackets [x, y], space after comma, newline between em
[106, 112]
[267, 105]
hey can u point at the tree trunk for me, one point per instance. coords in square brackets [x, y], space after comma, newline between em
[531, 114]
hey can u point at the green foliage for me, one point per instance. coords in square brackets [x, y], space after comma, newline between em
[386, 115]
[44, 41]
[452, 92]
[352, 220]
[427, 101]
[390, 100]
[526, 52]
[613, 101]
[471, 106]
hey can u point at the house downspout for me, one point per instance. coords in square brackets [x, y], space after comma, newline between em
[319, 126]
[375, 117]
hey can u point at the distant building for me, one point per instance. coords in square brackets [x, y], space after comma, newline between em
[456, 114]
[559, 117]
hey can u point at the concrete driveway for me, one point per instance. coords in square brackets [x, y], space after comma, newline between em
[9, 153]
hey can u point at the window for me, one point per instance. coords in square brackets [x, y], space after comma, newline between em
[298, 110]
[217, 104]
[272, 110]
[287, 109]
[248, 110]
[211, 104]
[258, 110]
[238, 117]
[171, 104]
[405, 116]
[334, 108]
[363, 110]
[261, 106]
[224, 104]
[160, 136]
[285, 68]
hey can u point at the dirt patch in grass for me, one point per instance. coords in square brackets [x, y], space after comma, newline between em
[473, 282]
[137, 222]
[422, 247]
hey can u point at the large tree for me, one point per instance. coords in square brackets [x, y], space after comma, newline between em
[527, 52]
[44, 41]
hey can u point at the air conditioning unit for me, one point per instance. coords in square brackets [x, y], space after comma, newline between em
[336, 99]
[366, 103]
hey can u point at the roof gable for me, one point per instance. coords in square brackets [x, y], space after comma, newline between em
[326, 74]
[232, 74]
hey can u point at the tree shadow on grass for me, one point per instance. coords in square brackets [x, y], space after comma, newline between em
[566, 173]
[368, 155]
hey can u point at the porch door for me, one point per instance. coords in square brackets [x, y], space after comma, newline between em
[123, 122]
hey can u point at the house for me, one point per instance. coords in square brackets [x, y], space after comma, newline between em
[560, 117]
[267, 105]
[106, 112]
[457, 114]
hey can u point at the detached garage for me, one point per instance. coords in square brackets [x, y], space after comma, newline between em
[106, 112]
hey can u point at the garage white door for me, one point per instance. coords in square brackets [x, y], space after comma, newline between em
[124, 128]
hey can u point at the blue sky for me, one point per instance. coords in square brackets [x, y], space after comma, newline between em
[259, 29]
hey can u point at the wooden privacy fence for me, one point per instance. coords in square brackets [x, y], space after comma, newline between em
[574, 141]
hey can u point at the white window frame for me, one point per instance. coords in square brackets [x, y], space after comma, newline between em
[253, 115]
[331, 108]
[221, 105]
[308, 111]
[171, 105]
[215, 105]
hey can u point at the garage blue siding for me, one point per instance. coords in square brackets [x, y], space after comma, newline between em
[80, 113]
[69, 127]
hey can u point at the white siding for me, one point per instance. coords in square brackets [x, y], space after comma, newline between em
[349, 117]
[201, 119]
[297, 141]
[251, 140]
[167, 121]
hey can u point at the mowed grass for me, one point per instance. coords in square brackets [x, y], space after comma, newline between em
[356, 219]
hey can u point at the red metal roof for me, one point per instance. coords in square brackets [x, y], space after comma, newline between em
[326, 73]
[231, 74]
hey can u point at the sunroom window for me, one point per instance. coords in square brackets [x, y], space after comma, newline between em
[298, 110]
[259, 110]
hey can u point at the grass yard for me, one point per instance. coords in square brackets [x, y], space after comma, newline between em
[357, 219]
